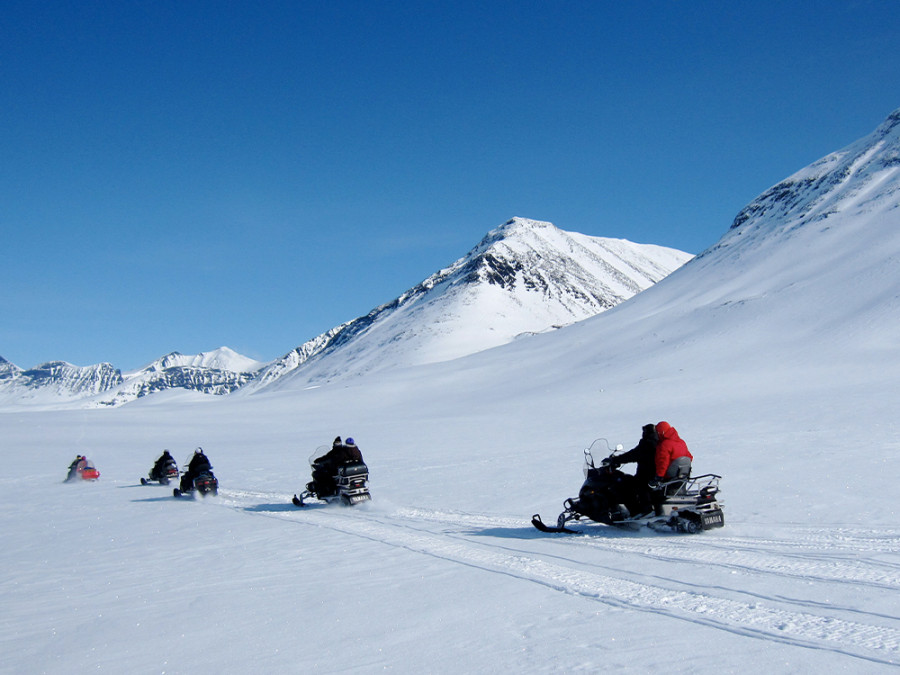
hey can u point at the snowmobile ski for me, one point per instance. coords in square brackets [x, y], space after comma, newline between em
[543, 527]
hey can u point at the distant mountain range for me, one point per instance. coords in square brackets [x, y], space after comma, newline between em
[524, 277]
[55, 383]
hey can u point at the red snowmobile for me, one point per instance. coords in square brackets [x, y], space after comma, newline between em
[82, 468]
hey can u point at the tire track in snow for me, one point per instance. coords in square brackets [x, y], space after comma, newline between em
[730, 553]
[634, 544]
[879, 644]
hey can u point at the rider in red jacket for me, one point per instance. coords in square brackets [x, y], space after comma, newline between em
[673, 459]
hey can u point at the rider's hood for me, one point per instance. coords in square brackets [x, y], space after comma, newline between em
[666, 430]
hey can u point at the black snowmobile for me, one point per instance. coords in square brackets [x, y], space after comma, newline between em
[609, 496]
[164, 476]
[346, 484]
[204, 482]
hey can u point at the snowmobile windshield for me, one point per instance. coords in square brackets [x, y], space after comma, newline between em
[321, 451]
[602, 450]
[88, 464]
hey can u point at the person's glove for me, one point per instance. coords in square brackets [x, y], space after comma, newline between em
[612, 461]
[655, 483]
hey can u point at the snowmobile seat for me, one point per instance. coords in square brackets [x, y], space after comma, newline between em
[679, 468]
[677, 477]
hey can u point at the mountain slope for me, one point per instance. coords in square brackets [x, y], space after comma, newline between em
[525, 276]
[819, 252]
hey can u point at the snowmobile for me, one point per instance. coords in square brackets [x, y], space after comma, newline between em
[348, 484]
[609, 496]
[168, 473]
[205, 483]
[82, 468]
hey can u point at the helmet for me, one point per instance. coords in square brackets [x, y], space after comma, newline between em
[198, 451]
[337, 440]
[350, 441]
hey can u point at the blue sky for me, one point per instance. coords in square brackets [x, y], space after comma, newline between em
[182, 176]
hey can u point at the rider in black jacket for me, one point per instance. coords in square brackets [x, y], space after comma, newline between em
[198, 464]
[644, 454]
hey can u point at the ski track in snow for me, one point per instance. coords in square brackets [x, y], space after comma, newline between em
[413, 529]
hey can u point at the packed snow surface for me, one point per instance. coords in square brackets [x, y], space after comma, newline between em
[775, 354]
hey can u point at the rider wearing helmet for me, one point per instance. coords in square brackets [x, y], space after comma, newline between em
[198, 464]
[159, 467]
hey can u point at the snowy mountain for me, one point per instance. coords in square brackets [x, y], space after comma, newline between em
[524, 277]
[856, 181]
[8, 371]
[818, 255]
[58, 380]
[220, 371]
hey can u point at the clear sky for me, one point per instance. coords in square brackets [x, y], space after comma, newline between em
[178, 176]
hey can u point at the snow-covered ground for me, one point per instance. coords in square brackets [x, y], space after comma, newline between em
[776, 355]
[442, 571]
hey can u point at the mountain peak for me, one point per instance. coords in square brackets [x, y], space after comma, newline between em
[515, 229]
[859, 179]
[891, 125]
[519, 224]
[525, 276]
